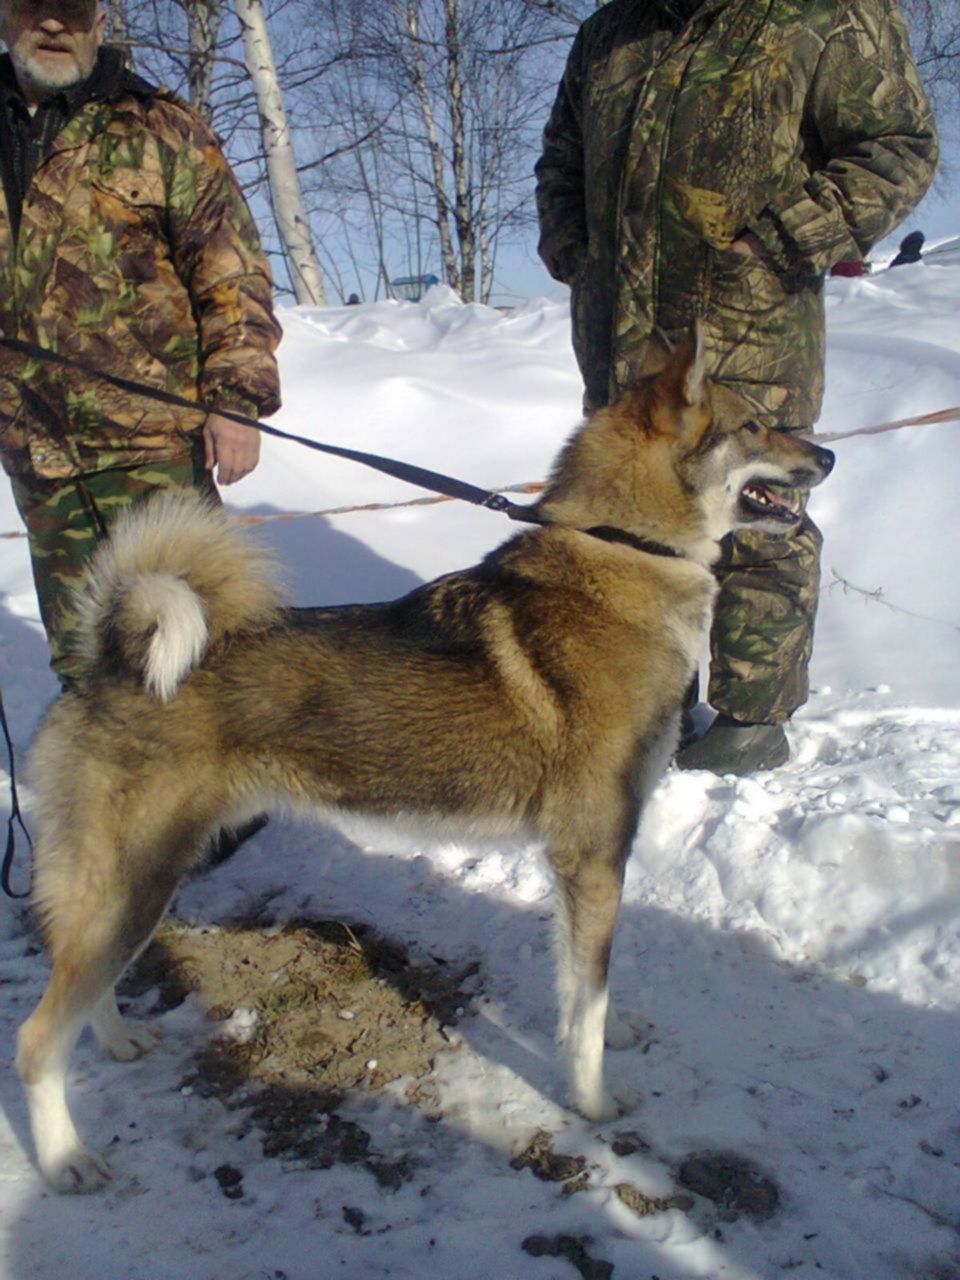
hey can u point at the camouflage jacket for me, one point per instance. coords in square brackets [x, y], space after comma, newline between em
[138, 255]
[803, 121]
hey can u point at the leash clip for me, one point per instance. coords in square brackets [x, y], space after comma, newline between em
[496, 502]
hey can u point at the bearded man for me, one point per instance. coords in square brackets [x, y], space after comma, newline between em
[125, 243]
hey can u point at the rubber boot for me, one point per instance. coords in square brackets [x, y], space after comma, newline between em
[729, 746]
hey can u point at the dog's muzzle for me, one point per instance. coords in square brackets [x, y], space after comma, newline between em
[783, 501]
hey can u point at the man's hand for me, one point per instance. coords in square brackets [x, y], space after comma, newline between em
[230, 447]
[749, 244]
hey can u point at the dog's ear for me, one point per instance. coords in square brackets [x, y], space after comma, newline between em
[681, 397]
[690, 364]
[682, 373]
[656, 356]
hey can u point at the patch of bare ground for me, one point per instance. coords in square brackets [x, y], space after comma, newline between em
[736, 1186]
[306, 1012]
[574, 1249]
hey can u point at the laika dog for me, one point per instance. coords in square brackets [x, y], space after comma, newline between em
[537, 693]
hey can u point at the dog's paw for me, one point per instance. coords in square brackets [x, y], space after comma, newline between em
[130, 1041]
[78, 1172]
[625, 1029]
[625, 1097]
[609, 1103]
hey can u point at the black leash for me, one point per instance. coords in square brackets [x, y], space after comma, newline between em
[7, 867]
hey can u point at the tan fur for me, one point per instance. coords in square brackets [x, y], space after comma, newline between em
[186, 538]
[537, 692]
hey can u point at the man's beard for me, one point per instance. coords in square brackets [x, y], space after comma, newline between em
[47, 78]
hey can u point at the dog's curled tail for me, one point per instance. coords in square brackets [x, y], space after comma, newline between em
[176, 574]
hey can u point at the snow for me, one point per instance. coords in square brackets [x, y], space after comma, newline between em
[793, 937]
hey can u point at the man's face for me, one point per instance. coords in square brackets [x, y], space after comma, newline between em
[53, 43]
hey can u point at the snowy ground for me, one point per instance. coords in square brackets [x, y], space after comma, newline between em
[793, 937]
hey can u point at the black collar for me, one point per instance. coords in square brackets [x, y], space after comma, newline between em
[607, 534]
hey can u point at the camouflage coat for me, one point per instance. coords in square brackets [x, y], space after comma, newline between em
[136, 254]
[801, 120]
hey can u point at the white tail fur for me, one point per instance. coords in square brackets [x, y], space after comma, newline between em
[176, 574]
[179, 631]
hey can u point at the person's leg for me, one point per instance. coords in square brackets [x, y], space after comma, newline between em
[63, 529]
[760, 642]
[65, 519]
[762, 634]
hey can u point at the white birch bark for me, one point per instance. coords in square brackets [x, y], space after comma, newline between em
[462, 211]
[203, 24]
[286, 194]
[451, 267]
[118, 28]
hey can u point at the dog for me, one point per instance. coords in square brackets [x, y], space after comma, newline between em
[537, 694]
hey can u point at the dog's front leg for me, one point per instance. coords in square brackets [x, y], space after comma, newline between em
[590, 885]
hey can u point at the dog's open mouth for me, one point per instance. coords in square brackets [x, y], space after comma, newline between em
[766, 500]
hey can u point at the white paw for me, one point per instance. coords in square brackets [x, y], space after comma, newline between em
[624, 1030]
[599, 1109]
[78, 1172]
[133, 1041]
[609, 1103]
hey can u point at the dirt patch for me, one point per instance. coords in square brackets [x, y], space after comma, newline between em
[546, 1164]
[574, 1249]
[645, 1206]
[737, 1186]
[306, 1012]
[628, 1142]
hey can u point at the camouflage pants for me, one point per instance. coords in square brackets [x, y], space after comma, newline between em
[762, 634]
[65, 520]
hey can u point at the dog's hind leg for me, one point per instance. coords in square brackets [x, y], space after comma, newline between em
[589, 885]
[44, 1046]
[118, 1036]
[96, 920]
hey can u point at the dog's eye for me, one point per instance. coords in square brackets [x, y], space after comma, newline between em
[752, 427]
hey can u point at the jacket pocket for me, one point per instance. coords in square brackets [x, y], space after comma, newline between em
[138, 188]
[126, 214]
[743, 284]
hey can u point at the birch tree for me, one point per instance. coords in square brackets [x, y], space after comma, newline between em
[118, 27]
[203, 26]
[461, 89]
[286, 196]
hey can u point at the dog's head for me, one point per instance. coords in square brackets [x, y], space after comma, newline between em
[744, 474]
[680, 460]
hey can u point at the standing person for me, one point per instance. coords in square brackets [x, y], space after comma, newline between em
[911, 250]
[124, 243]
[715, 159]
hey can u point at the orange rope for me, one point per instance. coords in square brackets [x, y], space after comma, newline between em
[942, 415]
[530, 486]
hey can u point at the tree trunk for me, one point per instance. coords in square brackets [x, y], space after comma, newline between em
[462, 212]
[286, 195]
[119, 29]
[203, 24]
[450, 266]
